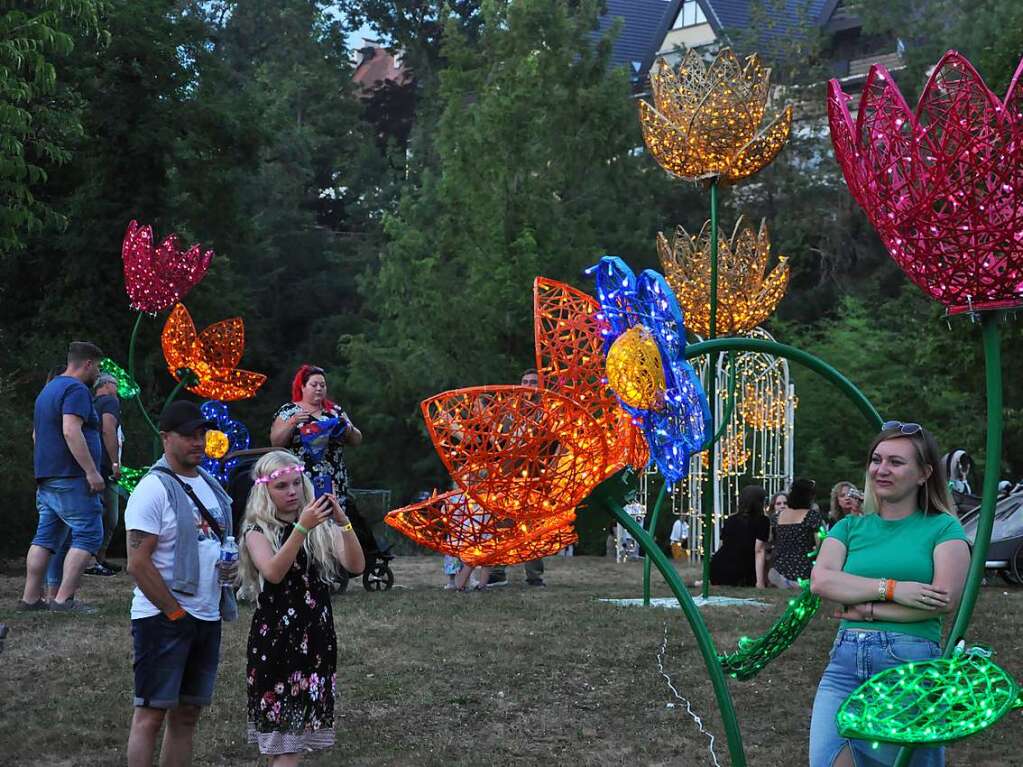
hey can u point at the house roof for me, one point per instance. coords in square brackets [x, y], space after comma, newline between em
[787, 18]
[376, 65]
[725, 16]
[642, 22]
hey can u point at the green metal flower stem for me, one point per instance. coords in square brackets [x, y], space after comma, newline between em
[791, 353]
[709, 485]
[185, 378]
[703, 638]
[992, 468]
[131, 373]
[652, 527]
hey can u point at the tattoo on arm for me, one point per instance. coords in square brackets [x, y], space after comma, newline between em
[136, 537]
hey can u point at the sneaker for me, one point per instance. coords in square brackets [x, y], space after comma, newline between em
[536, 583]
[110, 565]
[73, 606]
[494, 582]
[27, 607]
[450, 587]
[98, 569]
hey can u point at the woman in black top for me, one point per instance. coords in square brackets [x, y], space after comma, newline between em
[741, 559]
[795, 536]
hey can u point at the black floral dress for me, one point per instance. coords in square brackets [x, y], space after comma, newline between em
[333, 460]
[793, 542]
[291, 662]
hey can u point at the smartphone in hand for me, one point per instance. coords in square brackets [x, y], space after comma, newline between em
[322, 485]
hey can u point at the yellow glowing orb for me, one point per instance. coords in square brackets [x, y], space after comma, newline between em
[635, 370]
[216, 444]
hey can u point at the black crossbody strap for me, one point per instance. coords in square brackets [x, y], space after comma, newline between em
[214, 525]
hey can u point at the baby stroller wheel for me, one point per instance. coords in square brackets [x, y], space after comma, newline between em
[378, 577]
[341, 586]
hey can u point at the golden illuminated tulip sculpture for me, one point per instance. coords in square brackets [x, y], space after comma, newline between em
[747, 295]
[705, 121]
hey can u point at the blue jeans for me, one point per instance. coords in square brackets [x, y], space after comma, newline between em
[68, 504]
[855, 657]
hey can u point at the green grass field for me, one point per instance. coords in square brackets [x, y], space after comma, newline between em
[512, 676]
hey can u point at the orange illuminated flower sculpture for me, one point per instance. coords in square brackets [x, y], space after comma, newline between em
[570, 361]
[210, 357]
[704, 121]
[517, 451]
[452, 524]
[747, 295]
[525, 457]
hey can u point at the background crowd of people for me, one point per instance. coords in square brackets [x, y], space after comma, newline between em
[893, 558]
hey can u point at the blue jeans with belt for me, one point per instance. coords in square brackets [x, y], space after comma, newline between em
[855, 657]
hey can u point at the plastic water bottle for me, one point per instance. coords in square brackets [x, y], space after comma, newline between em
[228, 554]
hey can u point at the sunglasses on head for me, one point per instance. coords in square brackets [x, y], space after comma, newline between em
[905, 428]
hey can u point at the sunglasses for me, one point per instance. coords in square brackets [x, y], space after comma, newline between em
[904, 428]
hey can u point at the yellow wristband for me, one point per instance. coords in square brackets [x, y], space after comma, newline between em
[346, 528]
[301, 529]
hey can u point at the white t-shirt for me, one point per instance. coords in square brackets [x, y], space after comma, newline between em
[679, 531]
[149, 511]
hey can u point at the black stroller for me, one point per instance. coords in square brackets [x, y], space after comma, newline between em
[377, 576]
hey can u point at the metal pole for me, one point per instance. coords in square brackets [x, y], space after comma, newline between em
[704, 641]
[653, 534]
[710, 479]
[992, 469]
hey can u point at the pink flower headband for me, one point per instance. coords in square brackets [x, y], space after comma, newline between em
[294, 469]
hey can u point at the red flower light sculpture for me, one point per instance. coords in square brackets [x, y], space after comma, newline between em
[943, 186]
[159, 277]
[212, 356]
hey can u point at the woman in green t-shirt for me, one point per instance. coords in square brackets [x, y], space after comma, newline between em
[894, 571]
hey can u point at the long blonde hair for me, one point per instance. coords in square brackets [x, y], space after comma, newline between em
[261, 512]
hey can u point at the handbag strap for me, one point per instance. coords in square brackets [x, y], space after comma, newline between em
[210, 520]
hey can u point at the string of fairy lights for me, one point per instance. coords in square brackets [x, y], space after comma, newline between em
[757, 444]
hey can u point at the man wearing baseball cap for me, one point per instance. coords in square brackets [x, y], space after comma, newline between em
[176, 518]
[108, 407]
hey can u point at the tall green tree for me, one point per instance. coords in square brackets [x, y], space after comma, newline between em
[536, 172]
[39, 117]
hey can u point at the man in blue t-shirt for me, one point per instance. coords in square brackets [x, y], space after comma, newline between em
[66, 433]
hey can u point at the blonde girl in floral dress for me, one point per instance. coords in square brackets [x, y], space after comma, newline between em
[291, 551]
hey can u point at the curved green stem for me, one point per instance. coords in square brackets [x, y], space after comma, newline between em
[131, 346]
[992, 470]
[807, 360]
[653, 534]
[704, 641]
[185, 378]
[131, 374]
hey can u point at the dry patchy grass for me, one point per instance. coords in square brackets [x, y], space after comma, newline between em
[512, 676]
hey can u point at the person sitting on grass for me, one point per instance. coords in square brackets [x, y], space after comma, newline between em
[742, 557]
